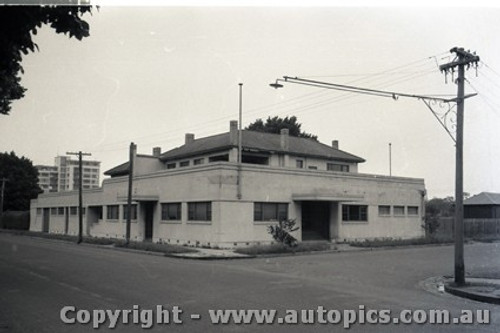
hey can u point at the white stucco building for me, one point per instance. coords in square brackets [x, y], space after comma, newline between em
[198, 194]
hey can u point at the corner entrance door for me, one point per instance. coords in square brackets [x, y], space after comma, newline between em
[315, 220]
[149, 208]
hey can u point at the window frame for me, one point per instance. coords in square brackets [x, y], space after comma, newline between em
[396, 208]
[193, 216]
[110, 209]
[383, 214]
[413, 214]
[259, 211]
[134, 212]
[165, 212]
[361, 216]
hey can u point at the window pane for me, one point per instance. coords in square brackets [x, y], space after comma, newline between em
[399, 210]
[200, 211]
[384, 210]
[413, 210]
[269, 212]
[354, 213]
[257, 211]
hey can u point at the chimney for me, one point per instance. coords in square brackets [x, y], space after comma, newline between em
[156, 151]
[284, 138]
[335, 144]
[233, 132]
[189, 138]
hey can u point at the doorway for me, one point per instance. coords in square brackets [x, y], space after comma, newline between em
[46, 220]
[315, 220]
[149, 209]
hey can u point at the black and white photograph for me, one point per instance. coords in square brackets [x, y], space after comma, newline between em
[249, 166]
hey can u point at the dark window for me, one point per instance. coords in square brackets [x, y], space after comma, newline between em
[39, 211]
[270, 211]
[73, 210]
[60, 211]
[200, 211]
[399, 210]
[337, 167]
[255, 159]
[134, 212]
[313, 167]
[199, 161]
[413, 210]
[53, 211]
[384, 210]
[354, 213]
[171, 166]
[184, 164]
[217, 158]
[171, 211]
[299, 164]
[112, 212]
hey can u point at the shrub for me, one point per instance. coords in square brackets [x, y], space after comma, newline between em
[281, 232]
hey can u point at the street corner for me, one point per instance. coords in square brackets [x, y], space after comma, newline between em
[485, 290]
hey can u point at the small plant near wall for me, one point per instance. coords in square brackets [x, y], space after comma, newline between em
[281, 232]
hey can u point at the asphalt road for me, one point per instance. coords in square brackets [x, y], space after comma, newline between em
[39, 277]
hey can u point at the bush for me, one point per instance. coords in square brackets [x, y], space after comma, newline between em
[15, 220]
[384, 242]
[153, 247]
[281, 232]
[281, 248]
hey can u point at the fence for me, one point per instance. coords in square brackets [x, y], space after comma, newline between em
[473, 228]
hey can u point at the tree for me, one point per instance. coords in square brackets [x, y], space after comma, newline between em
[276, 124]
[22, 181]
[17, 25]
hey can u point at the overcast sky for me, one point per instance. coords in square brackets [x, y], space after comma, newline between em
[151, 74]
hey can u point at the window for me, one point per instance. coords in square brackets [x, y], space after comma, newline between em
[112, 212]
[133, 215]
[183, 164]
[171, 166]
[217, 158]
[171, 211]
[413, 210]
[337, 167]
[73, 210]
[199, 161]
[399, 210]
[38, 211]
[354, 213]
[53, 211]
[60, 210]
[313, 167]
[270, 211]
[299, 164]
[384, 210]
[200, 211]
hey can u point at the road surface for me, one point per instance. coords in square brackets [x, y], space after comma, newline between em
[40, 277]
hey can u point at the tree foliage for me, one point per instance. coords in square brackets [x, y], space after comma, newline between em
[18, 24]
[22, 181]
[276, 124]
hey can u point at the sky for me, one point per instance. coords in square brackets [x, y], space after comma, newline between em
[150, 74]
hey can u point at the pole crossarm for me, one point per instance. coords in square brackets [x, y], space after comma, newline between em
[446, 118]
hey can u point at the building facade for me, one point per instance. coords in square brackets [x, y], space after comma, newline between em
[198, 194]
[64, 175]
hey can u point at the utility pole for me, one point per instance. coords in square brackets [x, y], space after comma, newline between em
[3, 180]
[464, 58]
[80, 193]
[132, 152]
[390, 159]
[240, 138]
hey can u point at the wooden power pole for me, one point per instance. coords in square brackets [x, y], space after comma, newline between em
[80, 193]
[464, 59]
[133, 149]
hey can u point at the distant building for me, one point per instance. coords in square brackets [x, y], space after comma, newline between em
[64, 175]
[485, 205]
[198, 194]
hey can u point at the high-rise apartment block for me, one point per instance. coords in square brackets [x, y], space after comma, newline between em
[64, 175]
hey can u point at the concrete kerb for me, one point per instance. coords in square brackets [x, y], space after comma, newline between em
[477, 289]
